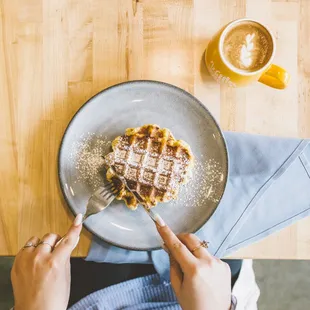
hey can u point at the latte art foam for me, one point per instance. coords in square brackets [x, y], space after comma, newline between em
[248, 46]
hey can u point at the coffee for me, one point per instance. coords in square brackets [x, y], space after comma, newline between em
[247, 46]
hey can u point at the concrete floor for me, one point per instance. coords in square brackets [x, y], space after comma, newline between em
[283, 284]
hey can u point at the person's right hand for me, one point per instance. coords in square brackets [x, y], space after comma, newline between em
[200, 280]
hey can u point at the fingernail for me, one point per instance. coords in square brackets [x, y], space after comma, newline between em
[78, 220]
[165, 248]
[160, 221]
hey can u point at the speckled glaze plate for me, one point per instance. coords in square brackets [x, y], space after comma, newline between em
[133, 104]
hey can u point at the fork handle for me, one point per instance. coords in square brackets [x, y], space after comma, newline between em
[85, 217]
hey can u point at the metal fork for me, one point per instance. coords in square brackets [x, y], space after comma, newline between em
[152, 214]
[100, 199]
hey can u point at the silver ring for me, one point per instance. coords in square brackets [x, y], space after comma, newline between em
[45, 242]
[29, 245]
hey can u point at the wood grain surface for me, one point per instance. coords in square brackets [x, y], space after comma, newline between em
[54, 55]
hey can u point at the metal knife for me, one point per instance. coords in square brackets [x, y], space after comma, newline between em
[153, 215]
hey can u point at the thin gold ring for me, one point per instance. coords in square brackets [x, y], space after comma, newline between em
[203, 244]
[29, 245]
[45, 242]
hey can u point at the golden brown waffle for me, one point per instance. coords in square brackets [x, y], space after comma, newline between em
[153, 163]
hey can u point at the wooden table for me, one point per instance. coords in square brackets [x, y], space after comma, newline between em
[54, 55]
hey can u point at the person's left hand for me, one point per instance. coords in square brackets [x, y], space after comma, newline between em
[41, 273]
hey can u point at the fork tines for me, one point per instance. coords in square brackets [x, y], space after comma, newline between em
[108, 190]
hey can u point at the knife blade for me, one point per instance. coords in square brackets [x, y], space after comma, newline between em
[153, 215]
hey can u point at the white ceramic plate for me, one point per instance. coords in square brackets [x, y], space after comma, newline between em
[134, 104]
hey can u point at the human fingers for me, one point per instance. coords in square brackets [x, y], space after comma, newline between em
[47, 243]
[194, 244]
[23, 255]
[176, 274]
[176, 248]
[29, 246]
[67, 244]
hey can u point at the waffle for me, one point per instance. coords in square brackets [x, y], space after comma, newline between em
[153, 163]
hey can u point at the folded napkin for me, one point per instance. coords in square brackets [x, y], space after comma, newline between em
[268, 188]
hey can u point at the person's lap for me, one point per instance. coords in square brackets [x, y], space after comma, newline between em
[88, 277]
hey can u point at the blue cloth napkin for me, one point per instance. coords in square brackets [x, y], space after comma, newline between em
[268, 189]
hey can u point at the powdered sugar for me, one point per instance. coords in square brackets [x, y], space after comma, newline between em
[203, 186]
[87, 154]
